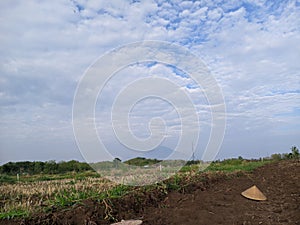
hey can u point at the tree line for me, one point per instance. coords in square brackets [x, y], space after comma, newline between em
[53, 167]
[294, 154]
[38, 167]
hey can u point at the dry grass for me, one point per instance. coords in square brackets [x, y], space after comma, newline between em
[32, 196]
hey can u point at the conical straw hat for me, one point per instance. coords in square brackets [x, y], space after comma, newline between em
[254, 193]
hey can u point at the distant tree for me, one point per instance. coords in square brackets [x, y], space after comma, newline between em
[286, 155]
[84, 166]
[295, 152]
[141, 161]
[51, 167]
[276, 157]
[38, 167]
[9, 168]
[192, 162]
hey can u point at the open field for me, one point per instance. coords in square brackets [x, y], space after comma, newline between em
[211, 197]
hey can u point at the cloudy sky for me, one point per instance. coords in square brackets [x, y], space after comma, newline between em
[250, 47]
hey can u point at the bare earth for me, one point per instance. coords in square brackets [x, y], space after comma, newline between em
[213, 201]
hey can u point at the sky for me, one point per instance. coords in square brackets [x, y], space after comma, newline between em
[251, 49]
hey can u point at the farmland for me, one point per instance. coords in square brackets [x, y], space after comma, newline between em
[80, 198]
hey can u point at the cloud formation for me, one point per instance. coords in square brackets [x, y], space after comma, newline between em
[251, 48]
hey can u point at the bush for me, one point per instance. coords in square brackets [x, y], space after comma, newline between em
[276, 157]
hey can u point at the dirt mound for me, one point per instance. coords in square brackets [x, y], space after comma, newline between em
[209, 200]
[223, 203]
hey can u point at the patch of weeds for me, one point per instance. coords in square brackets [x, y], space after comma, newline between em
[12, 214]
[118, 191]
[185, 169]
[7, 179]
[174, 183]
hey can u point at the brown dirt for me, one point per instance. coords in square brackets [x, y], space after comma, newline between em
[208, 200]
[223, 204]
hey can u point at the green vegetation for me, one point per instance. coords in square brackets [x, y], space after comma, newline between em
[15, 213]
[73, 196]
[139, 161]
[293, 155]
[7, 179]
[49, 167]
[231, 165]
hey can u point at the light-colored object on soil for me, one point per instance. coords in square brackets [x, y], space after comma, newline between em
[254, 193]
[129, 222]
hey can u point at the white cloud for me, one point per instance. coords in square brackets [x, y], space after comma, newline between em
[250, 47]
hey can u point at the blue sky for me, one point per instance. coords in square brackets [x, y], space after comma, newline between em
[251, 48]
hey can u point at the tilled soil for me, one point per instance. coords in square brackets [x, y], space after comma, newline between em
[211, 200]
[223, 203]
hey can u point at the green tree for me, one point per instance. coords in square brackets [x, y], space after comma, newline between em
[38, 167]
[50, 167]
[276, 157]
[295, 152]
